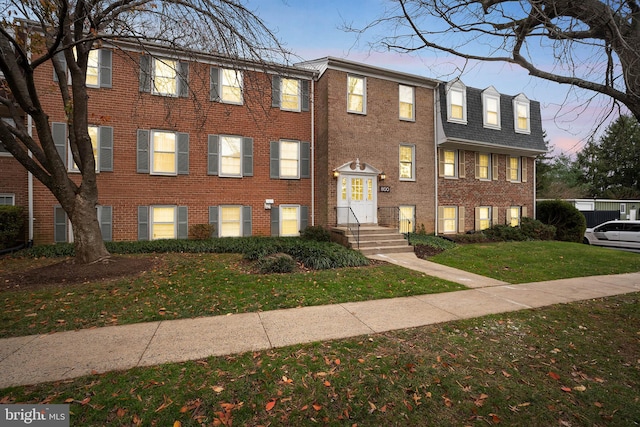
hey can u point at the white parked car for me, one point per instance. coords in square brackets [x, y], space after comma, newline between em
[618, 233]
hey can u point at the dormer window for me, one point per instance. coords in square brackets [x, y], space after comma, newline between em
[491, 108]
[521, 113]
[457, 102]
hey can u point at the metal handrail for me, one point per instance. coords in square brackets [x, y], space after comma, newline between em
[349, 226]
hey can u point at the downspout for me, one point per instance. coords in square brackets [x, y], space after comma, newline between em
[313, 152]
[30, 184]
[435, 153]
[535, 196]
[30, 175]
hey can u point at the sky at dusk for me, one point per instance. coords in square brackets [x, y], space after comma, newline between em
[314, 29]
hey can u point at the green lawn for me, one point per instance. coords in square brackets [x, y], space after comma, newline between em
[570, 365]
[192, 285]
[522, 262]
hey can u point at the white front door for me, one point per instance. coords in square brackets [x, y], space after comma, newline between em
[358, 193]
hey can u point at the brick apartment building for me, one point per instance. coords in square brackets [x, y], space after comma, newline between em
[486, 147]
[190, 138]
[183, 139]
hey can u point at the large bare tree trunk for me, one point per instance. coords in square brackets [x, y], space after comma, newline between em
[87, 235]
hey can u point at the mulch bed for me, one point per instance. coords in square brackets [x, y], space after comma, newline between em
[68, 272]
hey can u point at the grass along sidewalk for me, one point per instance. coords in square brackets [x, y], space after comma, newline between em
[572, 364]
[192, 285]
[537, 261]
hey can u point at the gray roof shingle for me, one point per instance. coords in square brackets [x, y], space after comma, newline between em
[506, 136]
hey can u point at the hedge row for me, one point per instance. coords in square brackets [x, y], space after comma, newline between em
[312, 254]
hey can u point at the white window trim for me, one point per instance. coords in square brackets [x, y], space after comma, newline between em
[71, 165]
[220, 157]
[9, 196]
[510, 217]
[152, 222]
[297, 176]
[281, 222]
[455, 219]
[623, 208]
[455, 164]
[220, 221]
[154, 90]
[489, 217]
[457, 86]
[518, 168]
[490, 93]
[299, 107]
[524, 101]
[152, 170]
[413, 162]
[221, 86]
[489, 167]
[97, 52]
[364, 94]
[413, 104]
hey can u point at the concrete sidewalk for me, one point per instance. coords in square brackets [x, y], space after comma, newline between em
[42, 358]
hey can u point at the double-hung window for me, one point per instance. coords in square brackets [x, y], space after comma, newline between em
[162, 222]
[101, 142]
[161, 152]
[231, 83]
[99, 68]
[226, 85]
[521, 112]
[164, 76]
[289, 159]
[513, 216]
[457, 102]
[230, 156]
[230, 220]
[407, 162]
[406, 96]
[451, 163]
[513, 169]
[164, 159]
[289, 220]
[483, 218]
[290, 94]
[356, 94]
[448, 219]
[491, 108]
[7, 199]
[484, 166]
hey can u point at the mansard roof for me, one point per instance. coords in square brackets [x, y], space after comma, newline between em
[474, 133]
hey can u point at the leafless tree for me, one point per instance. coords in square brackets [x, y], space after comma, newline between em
[591, 44]
[33, 33]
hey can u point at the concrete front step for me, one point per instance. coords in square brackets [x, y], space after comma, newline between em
[385, 250]
[376, 240]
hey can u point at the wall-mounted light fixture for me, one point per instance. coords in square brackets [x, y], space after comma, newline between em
[382, 176]
[336, 174]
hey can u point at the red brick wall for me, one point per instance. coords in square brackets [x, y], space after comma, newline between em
[13, 180]
[471, 192]
[375, 138]
[126, 109]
